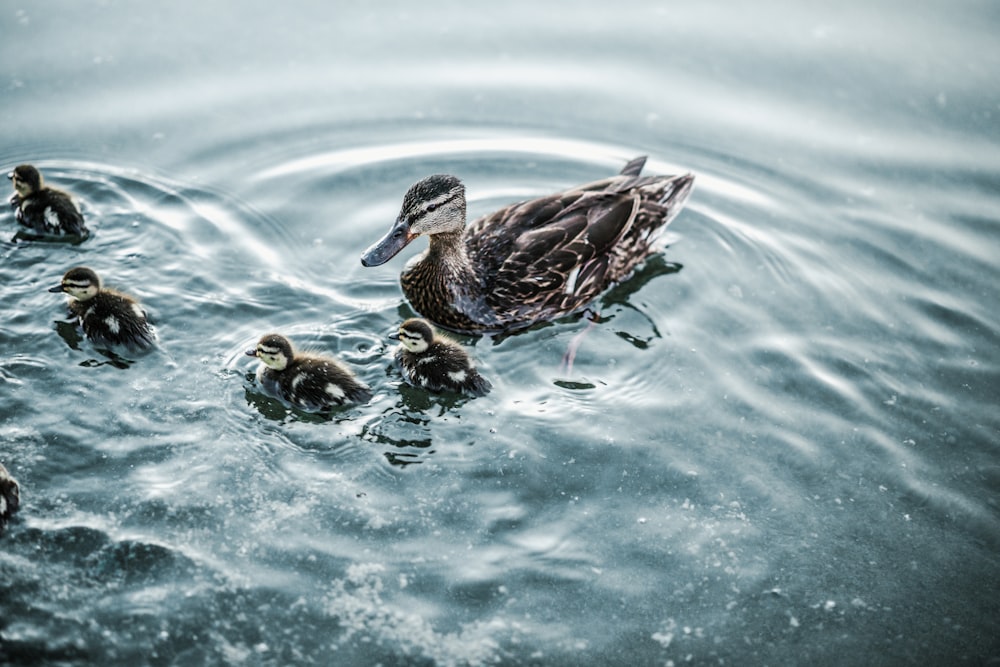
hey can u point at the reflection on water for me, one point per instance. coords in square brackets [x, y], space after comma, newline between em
[774, 444]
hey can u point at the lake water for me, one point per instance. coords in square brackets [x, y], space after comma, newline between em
[778, 446]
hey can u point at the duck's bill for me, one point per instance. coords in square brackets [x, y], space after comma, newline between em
[57, 288]
[252, 352]
[390, 244]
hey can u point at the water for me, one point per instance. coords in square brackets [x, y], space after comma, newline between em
[779, 445]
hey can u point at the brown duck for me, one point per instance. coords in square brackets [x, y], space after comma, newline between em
[531, 261]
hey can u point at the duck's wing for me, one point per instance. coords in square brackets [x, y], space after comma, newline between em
[491, 239]
[52, 212]
[111, 319]
[319, 382]
[563, 264]
[69, 216]
[444, 367]
[550, 256]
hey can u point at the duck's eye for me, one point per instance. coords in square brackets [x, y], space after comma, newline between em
[431, 208]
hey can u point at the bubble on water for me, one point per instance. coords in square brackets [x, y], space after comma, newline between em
[358, 605]
[663, 638]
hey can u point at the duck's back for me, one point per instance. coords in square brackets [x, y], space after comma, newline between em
[51, 211]
[316, 383]
[443, 367]
[551, 256]
[114, 319]
[491, 238]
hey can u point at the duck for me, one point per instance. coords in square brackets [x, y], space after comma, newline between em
[10, 496]
[530, 261]
[109, 318]
[313, 383]
[434, 362]
[43, 209]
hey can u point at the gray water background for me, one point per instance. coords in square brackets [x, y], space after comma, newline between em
[779, 445]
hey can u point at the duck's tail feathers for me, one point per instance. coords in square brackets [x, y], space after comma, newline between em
[676, 192]
[634, 166]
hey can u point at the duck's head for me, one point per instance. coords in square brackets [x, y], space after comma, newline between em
[434, 205]
[26, 179]
[273, 350]
[416, 335]
[80, 283]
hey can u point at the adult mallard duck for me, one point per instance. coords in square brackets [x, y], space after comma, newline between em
[531, 261]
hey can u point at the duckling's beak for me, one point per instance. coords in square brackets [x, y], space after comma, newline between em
[57, 288]
[10, 176]
[394, 335]
[397, 239]
[252, 352]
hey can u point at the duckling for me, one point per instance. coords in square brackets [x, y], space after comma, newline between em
[107, 317]
[531, 261]
[10, 496]
[42, 209]
[309, 382]
[435, 362]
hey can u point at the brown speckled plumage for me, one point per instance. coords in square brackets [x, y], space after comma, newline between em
[531, 261]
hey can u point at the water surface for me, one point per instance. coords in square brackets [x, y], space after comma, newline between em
[778, 445]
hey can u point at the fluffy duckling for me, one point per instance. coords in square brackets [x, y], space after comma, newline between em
[309, 382]
[107, 317]
[435, 362]
[10, 496]
[42, 209]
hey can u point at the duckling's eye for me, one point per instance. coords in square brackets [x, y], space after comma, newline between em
[431, 208]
